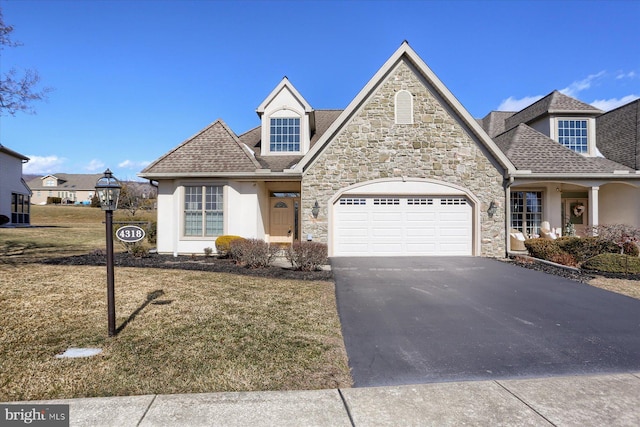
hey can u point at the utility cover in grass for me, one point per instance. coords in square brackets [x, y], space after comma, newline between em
[79, 352]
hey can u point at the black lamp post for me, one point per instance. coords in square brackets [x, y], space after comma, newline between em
[108, 189]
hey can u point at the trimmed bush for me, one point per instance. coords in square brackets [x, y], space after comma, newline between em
[55, 200]
[586, 247]
[252, 253]
[223, 244]
[307, 256]
[543, 248]
[613, 263]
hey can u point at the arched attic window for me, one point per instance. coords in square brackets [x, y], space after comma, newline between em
[404, 108]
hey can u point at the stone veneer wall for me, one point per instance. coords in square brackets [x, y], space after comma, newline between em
[436, 146]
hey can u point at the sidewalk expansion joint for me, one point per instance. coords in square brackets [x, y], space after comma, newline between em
[525, 403]
[146, 411]
[346, 407]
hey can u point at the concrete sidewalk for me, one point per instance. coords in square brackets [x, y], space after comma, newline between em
[611, 400]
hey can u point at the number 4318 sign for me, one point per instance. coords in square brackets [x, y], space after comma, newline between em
[130, 233]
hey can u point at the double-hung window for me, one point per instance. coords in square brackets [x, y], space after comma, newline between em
[526, 211]
[284, 134]
[573, 135]
[203, 211]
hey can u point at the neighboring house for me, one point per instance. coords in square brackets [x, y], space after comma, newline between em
[14, 192]
[403, 170]
[70, 188]
[560, 175]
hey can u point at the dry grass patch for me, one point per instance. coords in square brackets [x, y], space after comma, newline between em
[185, 332]
[59, 231]
[630, 288]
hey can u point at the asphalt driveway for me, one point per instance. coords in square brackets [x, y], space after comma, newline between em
[417, 320]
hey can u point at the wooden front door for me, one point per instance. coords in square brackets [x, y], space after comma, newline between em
[281, 220]
[577, 212]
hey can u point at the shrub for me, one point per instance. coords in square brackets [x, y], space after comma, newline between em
[208, 251]
[586, 247]
[54, 200]
[543, 248]
[620, 234]
[613, 263]
[631, 249]
[223, 245]
[139, 250]
[152, 232]
[564, 259]
[252, 253]
[307, 256]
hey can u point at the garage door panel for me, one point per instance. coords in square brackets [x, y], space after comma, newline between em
[392, 225]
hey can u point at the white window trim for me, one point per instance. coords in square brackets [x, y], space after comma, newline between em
[180, 208]
[266, 131]
[591, 132]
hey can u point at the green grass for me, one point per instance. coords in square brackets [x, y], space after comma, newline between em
[181, 331]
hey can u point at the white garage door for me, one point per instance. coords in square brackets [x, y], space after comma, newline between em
[383, 226]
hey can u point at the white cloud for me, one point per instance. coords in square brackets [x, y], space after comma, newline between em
[513, 104]
[128, 164]
[610, 104]
[39, 165]
[622, 75]
[578, 86]
[94, 166]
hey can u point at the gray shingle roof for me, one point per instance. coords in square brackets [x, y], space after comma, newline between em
[555, 102]
[67, 181]
[215, 149]
[493, 123]
[531, 150]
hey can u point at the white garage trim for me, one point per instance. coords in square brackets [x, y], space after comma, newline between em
[384, 209]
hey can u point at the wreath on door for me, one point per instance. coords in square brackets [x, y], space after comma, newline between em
[578, 210]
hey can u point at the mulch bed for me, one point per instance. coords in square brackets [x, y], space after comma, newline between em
[582, 275]
[199, 263]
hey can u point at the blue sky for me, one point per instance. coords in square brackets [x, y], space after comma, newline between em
[132, 79]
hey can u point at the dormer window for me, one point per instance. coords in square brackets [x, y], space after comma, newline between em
[573, 135]
[50, 182]
[284, 134]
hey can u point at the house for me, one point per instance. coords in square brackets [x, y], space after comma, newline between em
[404, 169]
[69, 188]
[14, 192]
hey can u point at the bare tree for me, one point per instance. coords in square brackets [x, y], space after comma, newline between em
[17, 90]
[135, 196]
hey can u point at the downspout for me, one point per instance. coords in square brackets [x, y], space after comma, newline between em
[507, 210]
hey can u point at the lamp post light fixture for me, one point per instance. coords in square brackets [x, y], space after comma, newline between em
[108, 190]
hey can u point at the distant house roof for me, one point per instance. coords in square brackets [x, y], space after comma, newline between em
[67, 181]
[554, 103]
[531, 150]
[215, 149]
[10, 152]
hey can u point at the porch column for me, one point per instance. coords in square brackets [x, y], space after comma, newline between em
[593, 206]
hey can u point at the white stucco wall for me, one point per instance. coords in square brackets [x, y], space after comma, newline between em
[619, 204]
[241, 215]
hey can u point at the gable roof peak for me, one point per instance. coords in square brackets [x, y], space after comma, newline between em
[284, 84]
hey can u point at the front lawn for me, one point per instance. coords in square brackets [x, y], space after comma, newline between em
[184, 332]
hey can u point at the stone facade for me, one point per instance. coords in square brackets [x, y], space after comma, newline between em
[437, 146]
